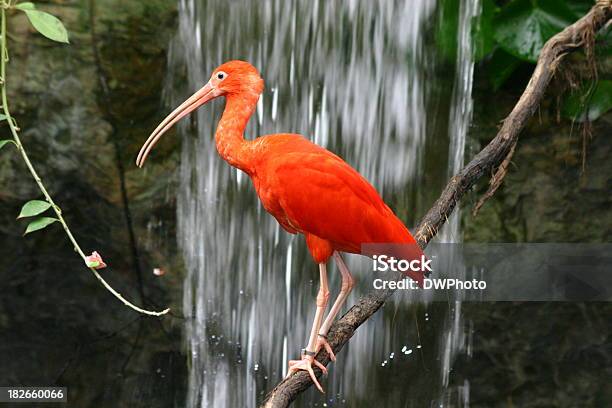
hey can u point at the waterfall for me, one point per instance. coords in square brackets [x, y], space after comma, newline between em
[460, 119]
[354, 77]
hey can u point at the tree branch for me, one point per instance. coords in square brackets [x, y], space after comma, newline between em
[497, 152]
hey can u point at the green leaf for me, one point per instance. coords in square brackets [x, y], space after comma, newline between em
[39, 224]
[46, 24]
[589, 102]
[4, 142]
[33, 207]
[500, 67]
[25, 6]
[523, 26]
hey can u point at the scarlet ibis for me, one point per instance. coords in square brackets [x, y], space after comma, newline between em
[308, 189]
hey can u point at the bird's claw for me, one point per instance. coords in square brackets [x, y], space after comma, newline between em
[322, 343]
[306, 364]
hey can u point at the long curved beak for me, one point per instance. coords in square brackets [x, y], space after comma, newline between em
[205, 94]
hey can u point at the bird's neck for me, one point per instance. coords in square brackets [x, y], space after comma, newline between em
[231, 145]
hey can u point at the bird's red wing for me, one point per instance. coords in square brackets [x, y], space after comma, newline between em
[322, 195]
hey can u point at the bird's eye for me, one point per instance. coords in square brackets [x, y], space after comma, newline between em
[220, 75]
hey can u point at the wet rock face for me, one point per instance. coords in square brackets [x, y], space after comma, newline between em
[543, 354]
[57, 324]
[547, 195]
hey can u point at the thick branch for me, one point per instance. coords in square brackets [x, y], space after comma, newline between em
[489, 158]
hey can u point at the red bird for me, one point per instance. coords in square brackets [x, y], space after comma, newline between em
[308, 189]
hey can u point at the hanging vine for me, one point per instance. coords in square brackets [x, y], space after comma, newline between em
[52, 28]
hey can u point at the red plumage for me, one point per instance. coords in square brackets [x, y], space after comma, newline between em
[308, 189]
[312, 191]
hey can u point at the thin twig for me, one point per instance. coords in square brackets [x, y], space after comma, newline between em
[496, 180]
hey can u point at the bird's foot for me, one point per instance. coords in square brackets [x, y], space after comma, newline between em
[322, 343]
[308, 359]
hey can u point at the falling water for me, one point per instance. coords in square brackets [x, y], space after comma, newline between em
[461, 107]
[358, 78]
[460, 119]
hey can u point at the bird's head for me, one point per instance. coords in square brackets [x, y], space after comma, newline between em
[233, 78]
[237, 77]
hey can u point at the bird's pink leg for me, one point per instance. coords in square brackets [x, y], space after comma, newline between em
[347, 285]
[308, 354]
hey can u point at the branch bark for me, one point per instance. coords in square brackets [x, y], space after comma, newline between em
[493, 156]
